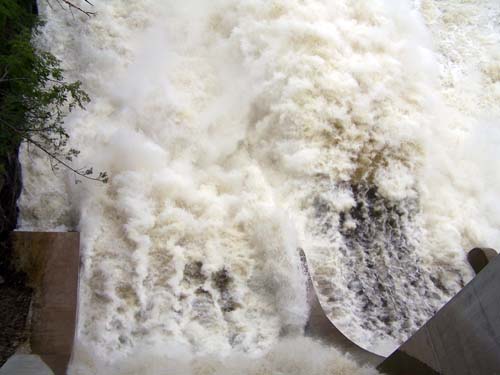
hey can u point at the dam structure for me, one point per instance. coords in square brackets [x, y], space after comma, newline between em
[234, 133]
[462, 338]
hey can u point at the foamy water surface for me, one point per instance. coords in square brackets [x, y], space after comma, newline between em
[237, 132]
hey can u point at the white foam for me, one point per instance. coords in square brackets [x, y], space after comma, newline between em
[289, 356]
[236, 132]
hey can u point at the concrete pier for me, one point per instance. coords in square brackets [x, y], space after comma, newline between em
[463, 338]
[51, 261]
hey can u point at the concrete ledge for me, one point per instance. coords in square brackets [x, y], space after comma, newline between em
[51, 261]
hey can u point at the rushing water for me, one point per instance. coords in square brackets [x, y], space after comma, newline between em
[237, 132]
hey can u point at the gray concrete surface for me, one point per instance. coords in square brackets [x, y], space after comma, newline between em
[463, 338]
[321, 327]
[25, 364]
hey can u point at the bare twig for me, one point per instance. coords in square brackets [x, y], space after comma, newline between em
[2, 78]
[49, 4]
[71, 6]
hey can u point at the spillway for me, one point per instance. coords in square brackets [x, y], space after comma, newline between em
[236, 133]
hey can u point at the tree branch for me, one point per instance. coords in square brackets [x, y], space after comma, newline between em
[71, 5]
[4, 75]
[54, 157]
[101, 178]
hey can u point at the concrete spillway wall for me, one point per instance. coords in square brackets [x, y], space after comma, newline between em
[321, 327]
[462, 338]
[51, 260]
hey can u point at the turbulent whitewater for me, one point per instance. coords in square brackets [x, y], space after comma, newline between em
[236, 133]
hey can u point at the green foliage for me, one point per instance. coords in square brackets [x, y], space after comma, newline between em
[34, 98]
[14, 16]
